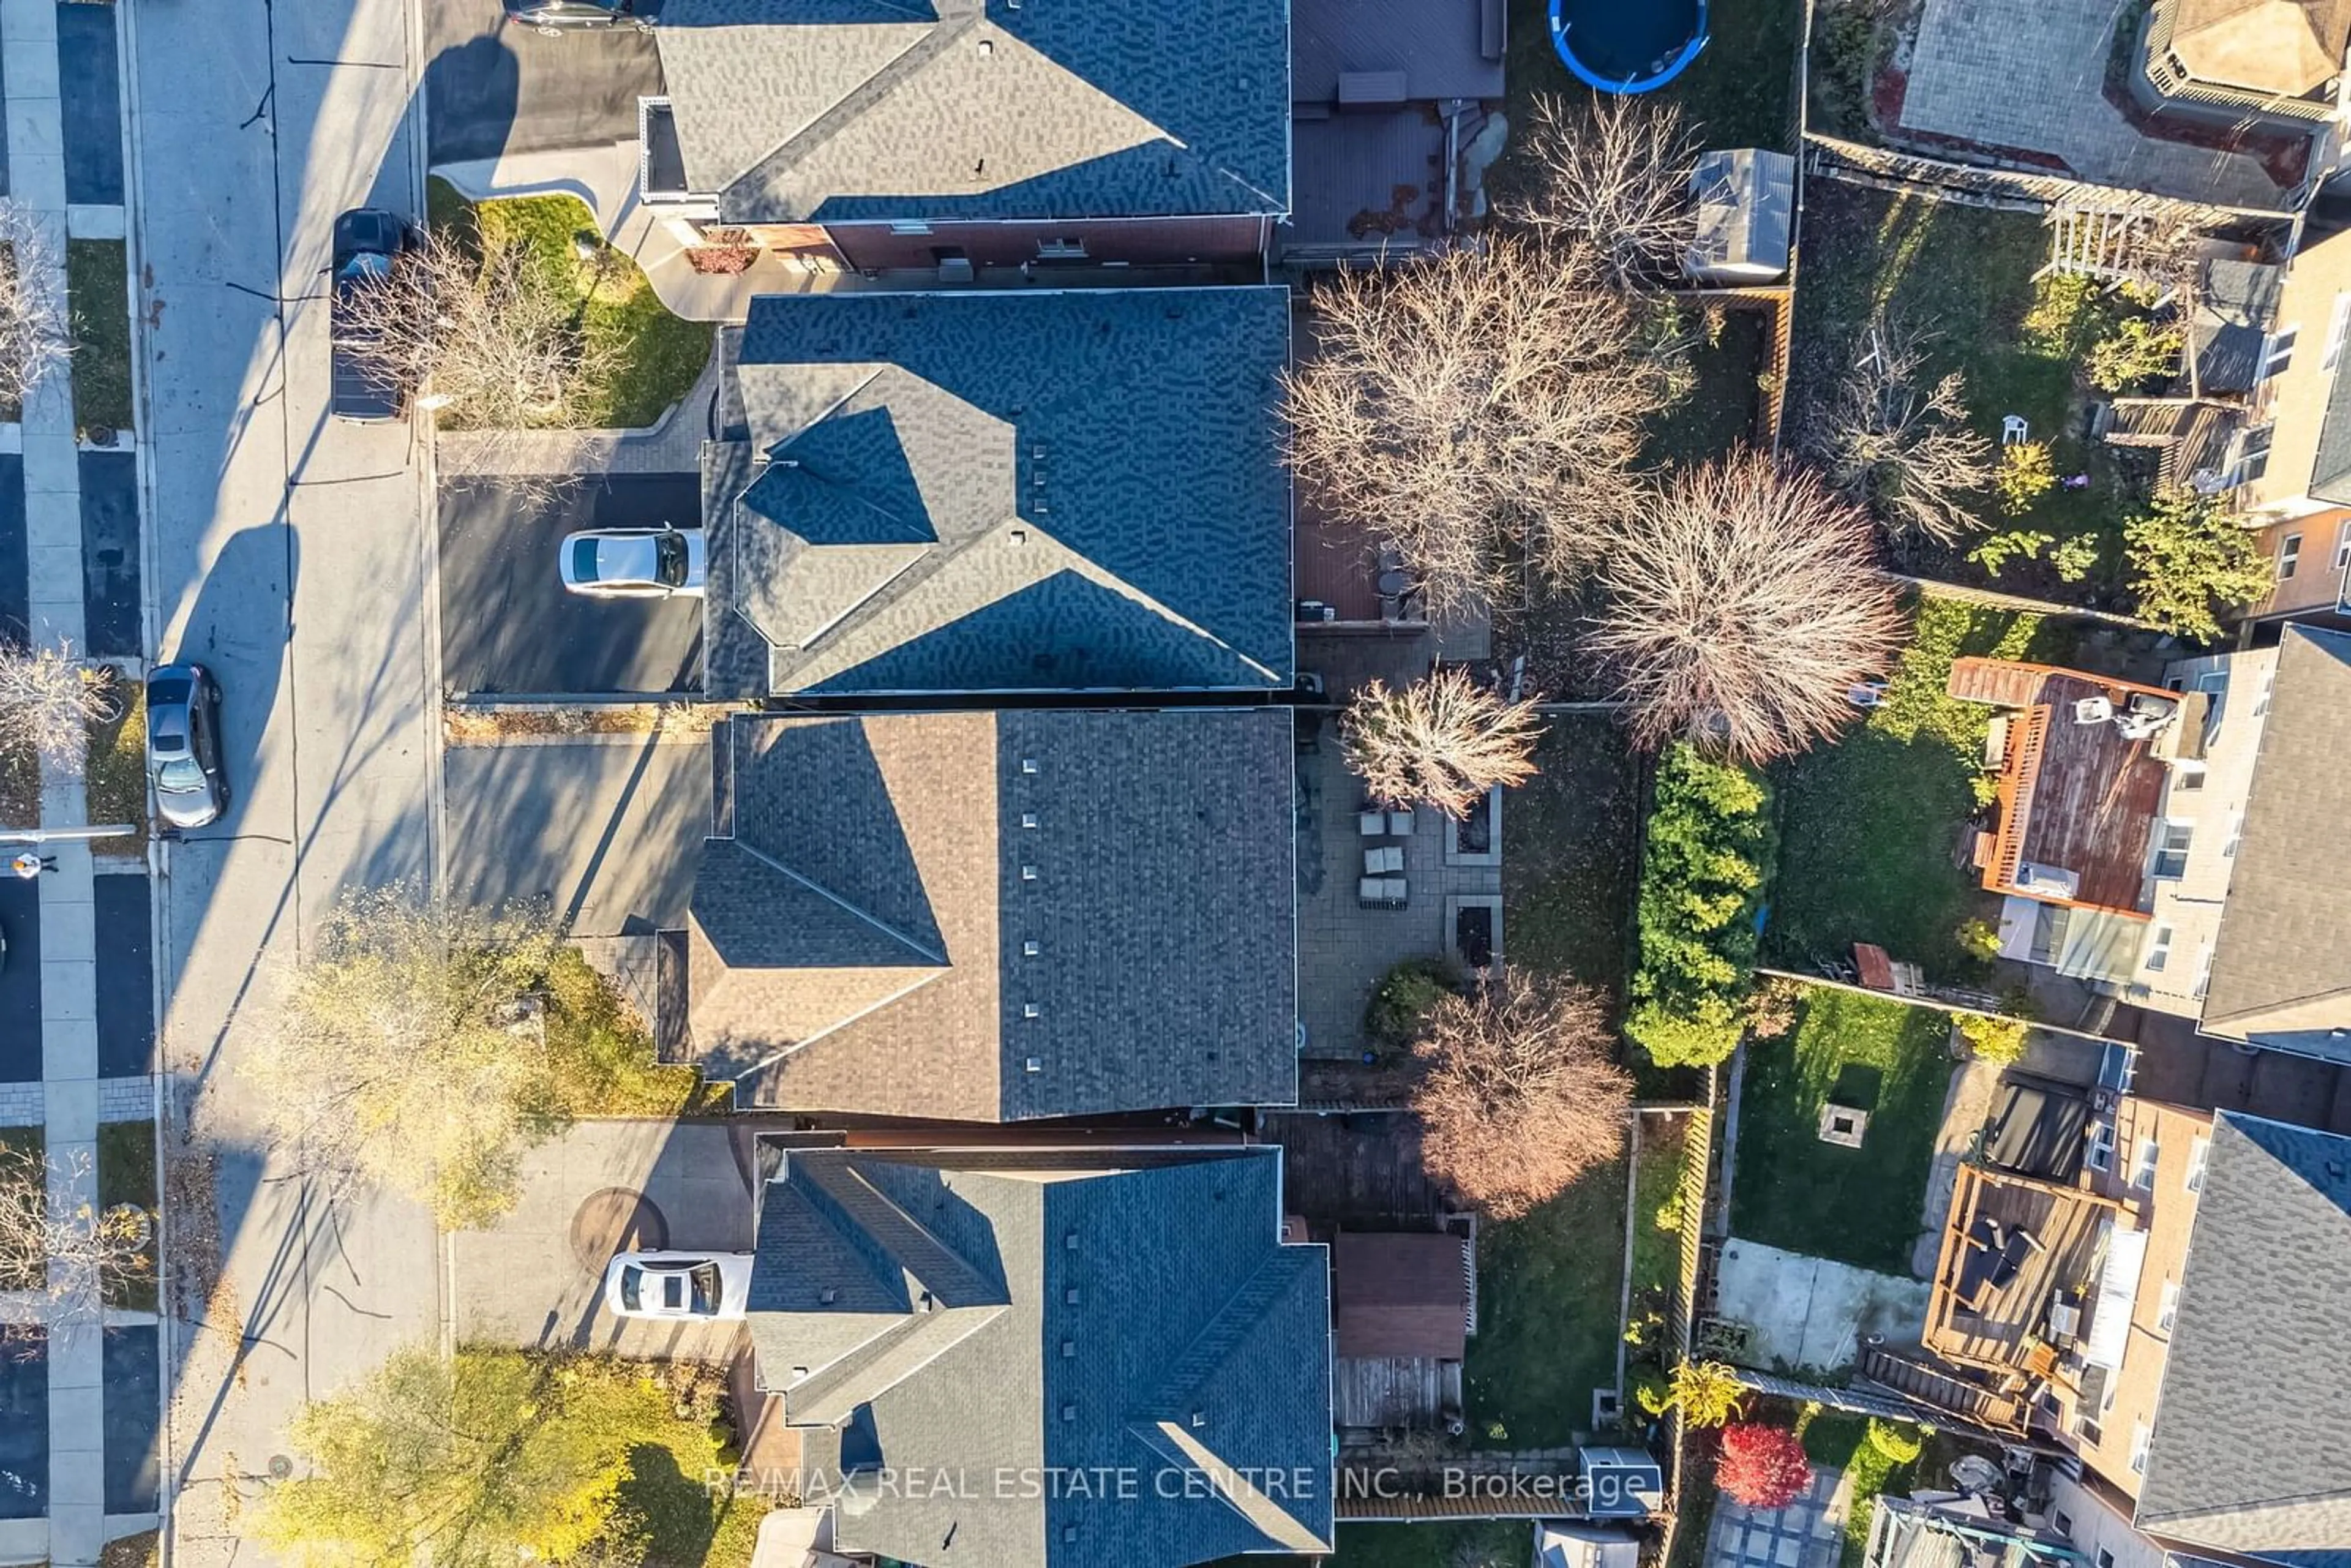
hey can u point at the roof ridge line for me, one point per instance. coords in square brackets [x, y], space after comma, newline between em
[853, 105]
[764, 858]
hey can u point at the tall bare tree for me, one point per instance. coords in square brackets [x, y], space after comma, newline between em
[1613, 172]
[34, 336]
[1743, 607]
[493, 339]
[1893, 440]
[48, 700]
[1444, 740]
[1521, 1096]
[409, 1049]
[57, 1247]
[1477, 410]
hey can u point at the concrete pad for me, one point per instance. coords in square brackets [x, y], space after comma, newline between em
[73, 1114]
[77, 1480]
[609, 827]
[69, 1048]
[69, 990]
[1809, 1312]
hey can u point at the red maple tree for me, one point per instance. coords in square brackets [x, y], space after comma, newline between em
[1762, 1467]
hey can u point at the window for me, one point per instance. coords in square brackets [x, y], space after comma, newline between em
[2336, 326]
[2065, 1522]
[2262, 705]
[2159, 952]
[2203, 968]
[912, 226]
[2143, 1169]
[2138, 1448]
[2343, 547]
[2106, 1558]
[2171, 851]
[2167, 1307]
[2249, 456]
[2100, 1154]
[2278, 352]
[2199, 1152]
[2236, 832]
[2188, 775]
[1061, 247]
[2289, 556]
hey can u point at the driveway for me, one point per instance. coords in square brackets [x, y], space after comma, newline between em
[537, 1276]
[607, 828]
[508, 626]
[20, 981]
[491, 88]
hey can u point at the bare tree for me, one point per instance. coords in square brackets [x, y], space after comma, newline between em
[409, 1049]
[57, 1247]
[1443, 739]
[48, 700]
[1890, 440]
[493, 340]
[34, 336]
[1476, 412]
[1743, 608]
[1521, 1096]
[1613, 172]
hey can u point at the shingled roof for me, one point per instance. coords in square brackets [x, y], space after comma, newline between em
[1001, 491]
[1128, 1317]
[841, 110]
[863, 919]
[2255, 1415]
[2282, 961]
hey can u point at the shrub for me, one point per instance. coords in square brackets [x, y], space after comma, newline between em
[1401, 1000]
[2137, 350]
[1999, 1040]
[1703, 872]
[1771, 1008]
[1762, 1467]
[2063, 314]
[1899, 1444]
[2191, 561]
[1978, 939]
[2025, 474]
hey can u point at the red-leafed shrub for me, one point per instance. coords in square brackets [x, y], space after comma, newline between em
[1762, 1467]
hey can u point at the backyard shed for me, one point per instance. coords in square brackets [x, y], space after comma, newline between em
[1401, 1306]
[1746, 200]
[1570, 1543]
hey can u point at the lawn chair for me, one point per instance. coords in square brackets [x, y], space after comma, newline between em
[1382, 892]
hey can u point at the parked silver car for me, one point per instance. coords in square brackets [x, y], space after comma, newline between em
[183, 747]
[681, 1286]
[634, 563]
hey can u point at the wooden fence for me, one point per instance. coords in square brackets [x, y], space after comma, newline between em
[2012, 186]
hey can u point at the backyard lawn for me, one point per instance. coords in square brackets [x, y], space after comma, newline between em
[1719, 412]
[1549, 1288]
[1857, 1205]
[1869, 826]
[1741, 91]
[1570, 840]
[1964, 275]
[1439, 1544]
[661, 355]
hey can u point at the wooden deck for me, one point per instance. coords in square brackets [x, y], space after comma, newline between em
[1976, 1323]
[1394, 1391]
[1334, 564]
[1946, 1390]
[2079, 797]
[1359, 1170]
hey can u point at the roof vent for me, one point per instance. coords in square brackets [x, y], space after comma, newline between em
[1030, 948]
[986, 46]
[1068, 1533]
[1069, 1412]
[1071, 1295]
[1069, 1349]
[1018, 536]
[1030, 1011]
[828, 1295]
[1028, 765]
[1027, 818]
[1028, 873]
[1034, 1064]
[1199, 1418]
[1070, 1239]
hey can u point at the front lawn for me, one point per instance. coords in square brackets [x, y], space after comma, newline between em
[20, 783]
[1857, 1205]
[661, 355]
[22, 1156]
[126, 1174]
[1965, 275]
[1571, 838]
[114, 781]
[1549, 1291]
[98, 296]
[1869, 827]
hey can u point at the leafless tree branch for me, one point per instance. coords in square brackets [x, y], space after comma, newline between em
[1743, 606]
[34, 336]
[48, 700]
[1613, 174]
[1889, 440]
[1443, 739]
[59, 1249]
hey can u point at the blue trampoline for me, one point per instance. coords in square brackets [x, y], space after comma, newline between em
[1627, 45]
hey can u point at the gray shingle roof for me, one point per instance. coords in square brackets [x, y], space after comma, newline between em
[2251, 1434]
[2282, 961]
[1152, 1326]
[860, 943]
[2330, 466]
[841, 110]
[997, 491]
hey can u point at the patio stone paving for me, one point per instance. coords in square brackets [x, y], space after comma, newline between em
[1807, 1534]
[2030, 75]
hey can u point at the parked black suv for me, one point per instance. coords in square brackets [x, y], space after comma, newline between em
[368, 243]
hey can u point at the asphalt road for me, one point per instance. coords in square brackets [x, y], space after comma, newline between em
[20, 981]
[492, 88]
[506, 623]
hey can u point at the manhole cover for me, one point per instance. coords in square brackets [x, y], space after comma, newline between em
[281, 1466]
[616, 1220]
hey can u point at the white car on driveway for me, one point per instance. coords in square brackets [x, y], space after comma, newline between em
[633, 563]
[682, 1287]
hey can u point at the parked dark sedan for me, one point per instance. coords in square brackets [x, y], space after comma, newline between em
[183, 749]
[368, 243]
[574, 15]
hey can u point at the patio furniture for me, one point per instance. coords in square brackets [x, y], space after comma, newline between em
[1400, 824]
[1371, 824]
[1381, 892]
[2013, 429]
[1385, 860]
[2064, 1316]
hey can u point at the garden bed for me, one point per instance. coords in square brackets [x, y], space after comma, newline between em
[114, 781]
[98, 293]
[1858, 1206]
[126, 1174]
[603, 1054]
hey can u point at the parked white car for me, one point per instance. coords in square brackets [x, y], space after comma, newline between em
[679, 1286]
[633, 563]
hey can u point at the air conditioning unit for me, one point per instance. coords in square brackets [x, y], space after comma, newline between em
[956, 269]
